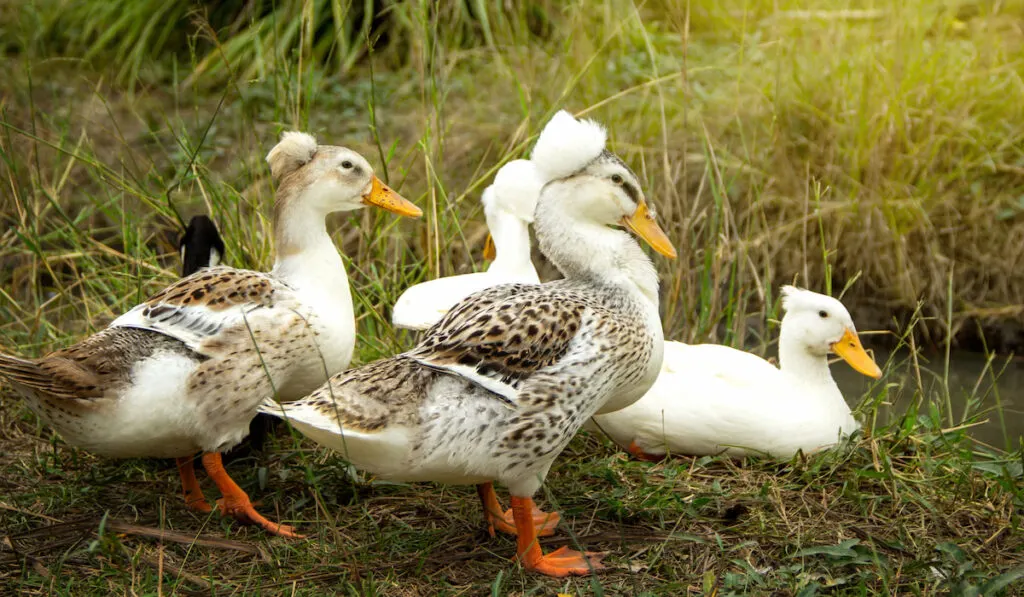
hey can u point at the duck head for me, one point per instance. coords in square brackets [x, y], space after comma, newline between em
[328, 178]
[510, 201]
[593, 182]
[200, 246]
[822, 325]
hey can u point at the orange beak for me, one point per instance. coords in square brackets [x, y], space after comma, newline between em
[490, 251]
[643, 224]
[382, 196]
[850, 350]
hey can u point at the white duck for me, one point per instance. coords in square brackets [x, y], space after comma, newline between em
[500, 385]
[185, 371]
[711, 399]
[509, 204]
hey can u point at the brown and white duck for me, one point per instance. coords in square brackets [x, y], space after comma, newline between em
[185, 371]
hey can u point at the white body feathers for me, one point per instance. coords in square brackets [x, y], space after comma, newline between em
[508, 207]
[149, 414]
[711, 399]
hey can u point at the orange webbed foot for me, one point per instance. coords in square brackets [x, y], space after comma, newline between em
[193, 493]
[244, 512]
[236, 503]
[199, 505]
[559, 563]
[545, 522]
[567, 562]
[638, 453]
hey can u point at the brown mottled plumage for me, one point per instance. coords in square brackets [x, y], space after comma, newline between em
[506, 334]
[498, 387]
[216, 289]
[185, 370]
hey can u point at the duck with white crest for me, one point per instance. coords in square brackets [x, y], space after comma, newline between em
[184, 371]
[712, 399]
[509, 204]
[499, 386]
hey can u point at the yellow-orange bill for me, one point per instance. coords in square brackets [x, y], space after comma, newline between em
[851, 351]
[643, 224]
[490, 251]
[382, 196]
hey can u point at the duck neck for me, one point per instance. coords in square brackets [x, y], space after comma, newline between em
[588, 251]
[511, 243]
[306, 256]
[810, 369]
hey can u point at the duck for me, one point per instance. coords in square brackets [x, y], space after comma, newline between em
[496, 389]
[509, 204]
[200, 245]
[184, 371]
[712, 399]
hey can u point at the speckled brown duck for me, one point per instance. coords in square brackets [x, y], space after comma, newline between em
[500, 385]
[185, 371]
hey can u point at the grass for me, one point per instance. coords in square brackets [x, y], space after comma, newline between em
[872, 149]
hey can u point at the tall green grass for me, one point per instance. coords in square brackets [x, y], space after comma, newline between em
[764, 130]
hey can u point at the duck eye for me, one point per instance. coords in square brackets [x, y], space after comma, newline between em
[346, 165]
[616, 179]
[823, 314]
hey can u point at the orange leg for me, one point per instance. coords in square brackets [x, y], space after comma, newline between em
[639, 453]
[194, 498]
[236, 503]
[561, 562]
[545, 522]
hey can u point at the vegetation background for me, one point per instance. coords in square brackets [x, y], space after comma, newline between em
[873, 149]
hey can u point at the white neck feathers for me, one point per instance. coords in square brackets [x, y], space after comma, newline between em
[512, 244]
[306, 255]
[809, 370]
[587, 250]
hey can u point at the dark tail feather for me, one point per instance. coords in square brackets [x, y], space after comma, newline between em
[260, 428]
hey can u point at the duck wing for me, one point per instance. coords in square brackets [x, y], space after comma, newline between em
[499, 337]
[212, 303]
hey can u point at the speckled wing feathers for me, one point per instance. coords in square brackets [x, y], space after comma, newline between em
[366, 399]
[206, 303]
[495, 339]
[498, 337]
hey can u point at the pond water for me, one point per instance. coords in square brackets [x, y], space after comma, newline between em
[1000, 381]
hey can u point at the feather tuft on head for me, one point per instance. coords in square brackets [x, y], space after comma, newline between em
[291, 153]
[515, 189]
[566, 145]
[791, 296]
[799, 299]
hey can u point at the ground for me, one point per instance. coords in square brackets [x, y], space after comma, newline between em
[905, 511]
